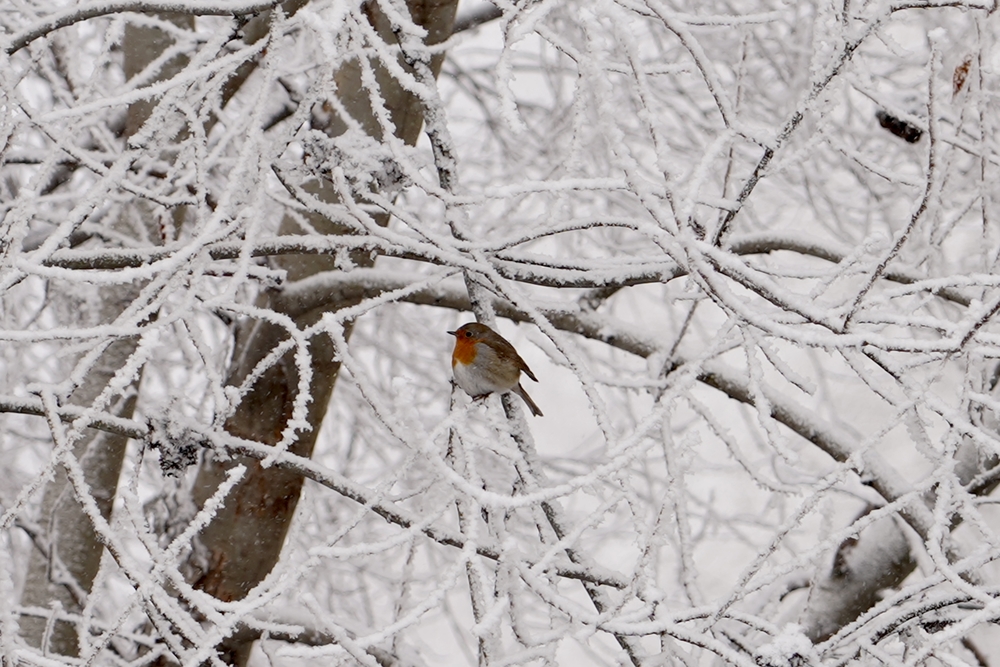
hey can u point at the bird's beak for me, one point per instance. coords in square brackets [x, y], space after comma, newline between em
[453, 333]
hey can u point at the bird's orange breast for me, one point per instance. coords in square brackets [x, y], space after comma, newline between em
[464, 352]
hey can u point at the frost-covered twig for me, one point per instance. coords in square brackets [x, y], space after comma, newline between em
[91, 10]
[140, 431]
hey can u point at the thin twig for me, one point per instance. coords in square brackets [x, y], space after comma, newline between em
[107, 7]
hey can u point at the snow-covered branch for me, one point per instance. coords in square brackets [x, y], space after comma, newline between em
[748, 252]
[89, 10]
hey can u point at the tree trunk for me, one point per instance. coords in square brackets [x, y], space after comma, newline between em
[62, 577]
[245, 539]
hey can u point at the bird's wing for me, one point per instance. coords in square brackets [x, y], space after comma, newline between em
[524, 367]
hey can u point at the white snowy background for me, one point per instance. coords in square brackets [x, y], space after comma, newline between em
[749, 248]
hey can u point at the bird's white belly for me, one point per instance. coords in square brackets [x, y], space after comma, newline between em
[472, 383]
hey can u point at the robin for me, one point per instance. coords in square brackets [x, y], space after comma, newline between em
[484, 362]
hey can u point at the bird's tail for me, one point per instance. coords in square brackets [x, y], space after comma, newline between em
[519, 390]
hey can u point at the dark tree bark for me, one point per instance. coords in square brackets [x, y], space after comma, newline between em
[245, 539]
[63, 574]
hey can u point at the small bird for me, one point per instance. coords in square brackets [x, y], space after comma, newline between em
[484, 362]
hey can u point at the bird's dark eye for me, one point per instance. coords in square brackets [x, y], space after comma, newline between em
[468, 334]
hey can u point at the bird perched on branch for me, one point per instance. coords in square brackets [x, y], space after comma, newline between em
[484, 362]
